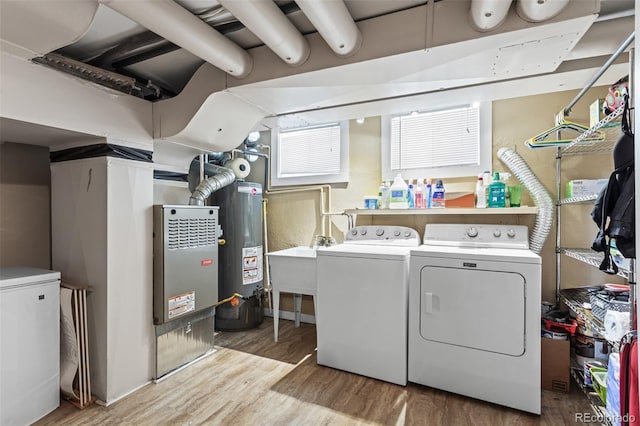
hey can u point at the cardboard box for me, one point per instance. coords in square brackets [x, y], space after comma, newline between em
[595, 112]
[585, 187]
[460, 200]
[555, 365]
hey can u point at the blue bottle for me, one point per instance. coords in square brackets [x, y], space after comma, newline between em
[428, 193]
[437, 199]
[411, 197]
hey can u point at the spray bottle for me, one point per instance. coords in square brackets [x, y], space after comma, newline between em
[481, 193]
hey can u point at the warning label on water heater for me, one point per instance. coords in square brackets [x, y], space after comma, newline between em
[181, 304]
[251, 265]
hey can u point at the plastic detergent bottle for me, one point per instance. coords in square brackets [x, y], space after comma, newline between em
[497, 192]
[428, 192]
[384, 195]
[437, 199]
[419, 195]
[481, 194]
[398, 194]
[411, 201]
[487, 177]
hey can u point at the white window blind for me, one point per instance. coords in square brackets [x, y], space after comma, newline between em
[310, 155]
[435, 139]
[309, 151]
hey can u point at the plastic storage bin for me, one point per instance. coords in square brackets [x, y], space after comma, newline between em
[603, 301]
[600, 384]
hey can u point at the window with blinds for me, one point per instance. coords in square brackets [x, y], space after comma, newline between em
[435, 139]
[445, 143]
[316, 154]
[310, 151]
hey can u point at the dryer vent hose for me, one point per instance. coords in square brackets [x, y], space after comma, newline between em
[222, 177]
[539, 194]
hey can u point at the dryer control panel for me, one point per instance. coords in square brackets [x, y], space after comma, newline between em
[466, 235]
[383, 235]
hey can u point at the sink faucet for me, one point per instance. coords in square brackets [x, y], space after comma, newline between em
[324, 241]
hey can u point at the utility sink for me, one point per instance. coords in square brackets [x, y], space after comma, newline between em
[292, 270]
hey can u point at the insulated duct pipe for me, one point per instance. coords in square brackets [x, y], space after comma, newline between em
[334, 23]
[176, 24]
[539, 10]
[488, 14]
[221, 177]
[540, 195]
[269, 24]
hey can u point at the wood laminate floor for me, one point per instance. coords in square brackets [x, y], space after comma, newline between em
[251, 380]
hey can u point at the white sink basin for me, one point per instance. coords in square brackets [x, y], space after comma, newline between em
[292, 270]
[301, 251]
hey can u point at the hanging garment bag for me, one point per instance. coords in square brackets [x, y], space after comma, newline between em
[629, 401]
[614, 210]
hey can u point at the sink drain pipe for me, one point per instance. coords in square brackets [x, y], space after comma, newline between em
[539, 194]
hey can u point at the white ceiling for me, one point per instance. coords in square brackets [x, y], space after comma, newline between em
[22, 132]
[303, 91]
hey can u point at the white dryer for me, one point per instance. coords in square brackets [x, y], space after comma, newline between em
[362, 300]
[474, 314]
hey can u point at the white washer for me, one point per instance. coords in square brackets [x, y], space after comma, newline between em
[363, 288]
[474, 314]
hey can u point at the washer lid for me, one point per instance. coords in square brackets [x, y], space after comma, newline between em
[365, 251]
[483, 253]
[16, 276]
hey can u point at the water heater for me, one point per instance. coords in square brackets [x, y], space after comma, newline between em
[241, 265]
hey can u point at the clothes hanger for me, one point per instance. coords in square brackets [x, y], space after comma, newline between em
[563, 125]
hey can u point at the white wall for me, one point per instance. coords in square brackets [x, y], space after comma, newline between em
[24, 206]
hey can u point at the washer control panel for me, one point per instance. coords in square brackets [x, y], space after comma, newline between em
[463, 235]
[383, 235]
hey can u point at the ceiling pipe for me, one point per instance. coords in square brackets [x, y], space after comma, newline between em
[176, 24]
[269, 24]
[487, 15]
[539, 10]
[334, 23]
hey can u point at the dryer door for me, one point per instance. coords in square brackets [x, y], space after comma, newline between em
[472, 308]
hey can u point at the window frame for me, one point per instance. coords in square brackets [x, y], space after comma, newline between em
[326, 178]
[485, 150]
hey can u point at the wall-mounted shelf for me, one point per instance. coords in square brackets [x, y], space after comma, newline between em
[590, 257]
[445, 211]
[594, 400]
[575, 299]
[579, 200]
[608, 126]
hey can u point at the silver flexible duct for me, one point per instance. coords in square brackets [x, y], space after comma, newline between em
[222, 177]
[539, 194]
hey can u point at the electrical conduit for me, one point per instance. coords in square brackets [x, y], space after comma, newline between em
[539, 194]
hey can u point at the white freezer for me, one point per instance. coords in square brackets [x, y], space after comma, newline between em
[29, 344]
